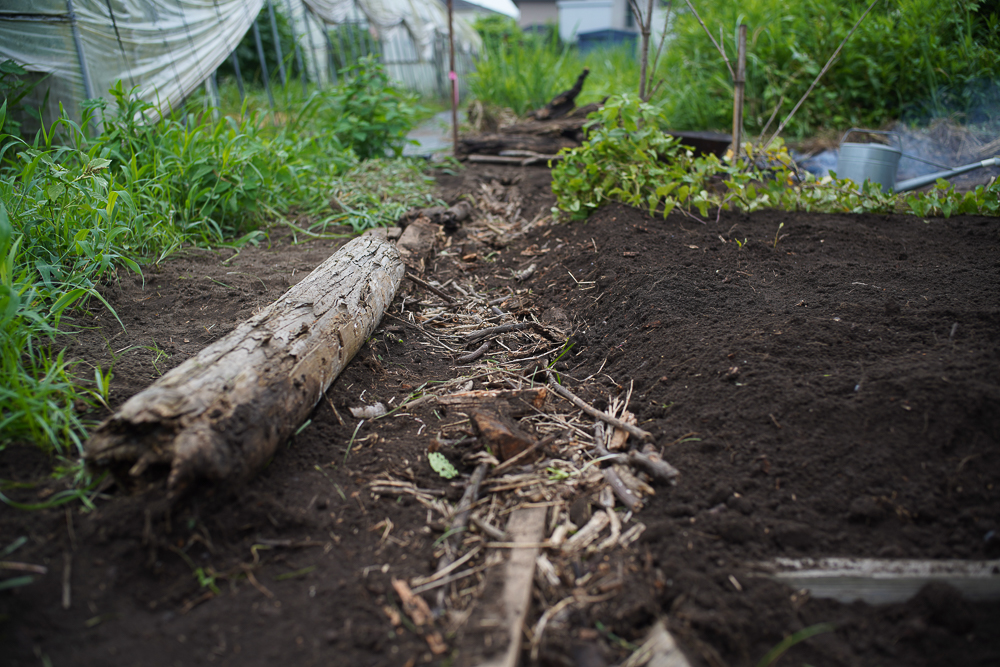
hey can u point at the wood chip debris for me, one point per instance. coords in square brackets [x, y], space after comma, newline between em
[502, 353]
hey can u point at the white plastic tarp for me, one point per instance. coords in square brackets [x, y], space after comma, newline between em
[505, 7]
[422, 19]
[166, 48]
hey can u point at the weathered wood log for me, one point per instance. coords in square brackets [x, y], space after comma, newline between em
[570, 126]
[221, 415]
[492, 144]
[449, 217]
[416, 243]
[563, 103]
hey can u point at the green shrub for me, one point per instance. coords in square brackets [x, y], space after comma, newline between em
[628, 158]
[909, 59]
[368, 114]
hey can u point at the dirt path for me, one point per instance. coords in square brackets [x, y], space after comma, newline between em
[827, 388]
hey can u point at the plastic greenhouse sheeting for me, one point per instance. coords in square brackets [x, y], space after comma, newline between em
[422, 19]
[166, 48]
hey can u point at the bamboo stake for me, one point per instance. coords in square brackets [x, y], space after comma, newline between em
[739, 83]
[819, 76]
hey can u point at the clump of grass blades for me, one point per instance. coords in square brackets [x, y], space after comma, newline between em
[523, 74]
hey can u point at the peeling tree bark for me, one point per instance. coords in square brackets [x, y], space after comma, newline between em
[221, 415]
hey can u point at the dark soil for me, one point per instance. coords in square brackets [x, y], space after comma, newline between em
[829, 387]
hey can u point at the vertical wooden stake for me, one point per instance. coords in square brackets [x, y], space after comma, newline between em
[454, 80]
[739, 81]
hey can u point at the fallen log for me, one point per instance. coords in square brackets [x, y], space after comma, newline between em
[492, 144]
[221, 415]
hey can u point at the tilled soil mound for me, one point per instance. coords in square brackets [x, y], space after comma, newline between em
[827, 385]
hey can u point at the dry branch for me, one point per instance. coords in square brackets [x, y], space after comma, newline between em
[508, 441]
[222, 414]
[594, 412]
[515, 403]
[563, 103]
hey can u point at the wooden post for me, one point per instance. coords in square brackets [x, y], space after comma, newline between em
[222, 414]
[739, 82]
[454, 79]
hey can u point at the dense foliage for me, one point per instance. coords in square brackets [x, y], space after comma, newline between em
[83, 200]
[629, 158]
[909, 60]
[246, 50]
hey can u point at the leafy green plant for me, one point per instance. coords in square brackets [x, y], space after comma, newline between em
[441, 465]
[909, 59]
[372, 117]
[629, 158]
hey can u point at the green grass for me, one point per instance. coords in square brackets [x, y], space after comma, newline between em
[82, 201]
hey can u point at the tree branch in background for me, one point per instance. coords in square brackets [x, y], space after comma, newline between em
[651, 90]
[708, 32]
[645, 21]
[818, 76]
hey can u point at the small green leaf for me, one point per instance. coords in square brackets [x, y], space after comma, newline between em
[97, 163]
[441, 465]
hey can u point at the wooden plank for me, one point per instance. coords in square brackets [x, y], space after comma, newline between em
[884, 581]
[492, 637]
[659, 650]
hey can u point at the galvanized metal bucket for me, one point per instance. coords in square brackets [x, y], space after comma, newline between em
[869, 162]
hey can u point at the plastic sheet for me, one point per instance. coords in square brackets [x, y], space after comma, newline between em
[422, 19]
[165, 48]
